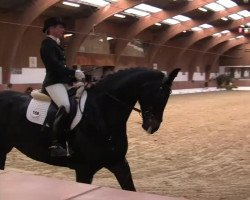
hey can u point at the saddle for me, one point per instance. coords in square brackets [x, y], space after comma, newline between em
[42, 109]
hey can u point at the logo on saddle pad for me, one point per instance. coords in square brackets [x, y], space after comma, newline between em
[36, 113]
[38, 109]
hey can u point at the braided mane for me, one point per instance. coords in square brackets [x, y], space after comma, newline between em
[123, 75]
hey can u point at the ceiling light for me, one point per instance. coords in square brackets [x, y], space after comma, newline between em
[244, 13]
[71, 4]
[170, 21]
[215, 7]
[235, 16]
[226, 3]
[206, 26]
[96, 3]
[203, 9]
[216, 35]
[119, 15]
[232, 39]
[224, 19]
[181, 18]
[196, 29]
[136, 12]
[147, 8]
[240, 36]
[67, 35]
[247, 24]
[158, 24]
[110, 38]
[224, 32]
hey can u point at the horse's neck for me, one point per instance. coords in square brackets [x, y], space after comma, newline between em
[116, 101]
[126, 89]
[121, 92]
[111, 103]
[104, 117]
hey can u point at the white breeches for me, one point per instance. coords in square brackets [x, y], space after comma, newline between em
[58, 93]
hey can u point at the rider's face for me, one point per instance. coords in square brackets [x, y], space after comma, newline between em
[57, 31]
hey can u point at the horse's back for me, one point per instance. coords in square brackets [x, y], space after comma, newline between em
[10, 93]
[13, 107]
[16, 130]
[12, 101]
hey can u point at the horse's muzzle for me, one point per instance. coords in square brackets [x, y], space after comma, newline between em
[151, 125]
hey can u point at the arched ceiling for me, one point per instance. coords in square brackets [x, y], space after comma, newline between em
[84, 19]
[13, 4]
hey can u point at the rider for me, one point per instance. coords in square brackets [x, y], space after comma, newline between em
[58, 78]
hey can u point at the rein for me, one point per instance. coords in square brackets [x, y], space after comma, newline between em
[134, 108]
[121, 102]
[118, 100]
[114, 98]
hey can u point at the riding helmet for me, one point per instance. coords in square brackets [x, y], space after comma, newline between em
[53, 21]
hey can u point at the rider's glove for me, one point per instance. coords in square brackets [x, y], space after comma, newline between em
[79, 75]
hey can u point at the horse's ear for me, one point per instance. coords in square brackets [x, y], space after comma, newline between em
[169, 80]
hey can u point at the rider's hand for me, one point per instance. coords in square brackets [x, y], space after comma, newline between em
[79, 75]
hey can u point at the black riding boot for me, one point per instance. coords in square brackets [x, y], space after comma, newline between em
[58, 128]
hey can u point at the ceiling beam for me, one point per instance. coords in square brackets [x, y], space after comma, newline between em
[206, 33]
[204, 49]
[147, 21]
[211, 61]
[225, 47]
[88, 25]
[178, 28]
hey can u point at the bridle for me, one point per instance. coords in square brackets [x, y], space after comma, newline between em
[147, 112]
[121, 102]
[114, 98]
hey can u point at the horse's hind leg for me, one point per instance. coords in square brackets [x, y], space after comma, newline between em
[4, 150]
[2, 161]
[3, 155]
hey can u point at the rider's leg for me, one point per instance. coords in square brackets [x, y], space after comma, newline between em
[59, 95]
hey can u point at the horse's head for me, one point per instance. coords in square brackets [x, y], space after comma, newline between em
[153, 99]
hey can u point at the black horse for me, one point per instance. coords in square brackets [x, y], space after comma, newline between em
[100, 139]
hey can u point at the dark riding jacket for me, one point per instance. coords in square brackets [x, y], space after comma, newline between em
[53, 58]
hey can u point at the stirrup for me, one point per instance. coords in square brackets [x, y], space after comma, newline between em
[68, 149]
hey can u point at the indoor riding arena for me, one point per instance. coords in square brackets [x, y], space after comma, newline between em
[200, 49]
[200, 152]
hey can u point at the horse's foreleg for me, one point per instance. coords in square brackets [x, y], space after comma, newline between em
[123, 175]
[85, 174]
[3, 154]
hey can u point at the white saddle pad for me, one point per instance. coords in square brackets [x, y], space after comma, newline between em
[37, 111]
